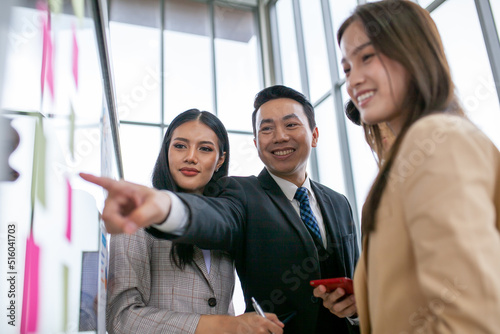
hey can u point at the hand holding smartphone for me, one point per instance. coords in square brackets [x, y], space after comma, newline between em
[334, 283]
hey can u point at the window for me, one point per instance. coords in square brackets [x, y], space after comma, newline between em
[138, 86]
[244, 159]
[288, 45]
[339, 11]
[187, 58]
[364, 166]
[238, 71]
[457, 22]
[328, 149]
[208, 57]
[315, 48]
[141, 143]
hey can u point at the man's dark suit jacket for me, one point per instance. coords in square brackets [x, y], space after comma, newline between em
[275, 254]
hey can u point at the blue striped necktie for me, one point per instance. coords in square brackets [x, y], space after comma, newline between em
[306, 213]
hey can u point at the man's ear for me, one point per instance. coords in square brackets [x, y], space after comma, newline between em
[315, 134]
[255, 142]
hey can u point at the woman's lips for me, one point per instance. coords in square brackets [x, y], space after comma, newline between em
[189, 171]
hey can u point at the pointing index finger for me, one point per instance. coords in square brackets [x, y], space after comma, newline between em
[104, 182]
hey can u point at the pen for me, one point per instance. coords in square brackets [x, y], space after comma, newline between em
[257, 308]
[288, 316]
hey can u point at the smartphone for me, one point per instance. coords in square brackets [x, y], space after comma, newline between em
[333, 283]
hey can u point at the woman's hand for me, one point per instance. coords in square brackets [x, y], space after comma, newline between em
[247, 323]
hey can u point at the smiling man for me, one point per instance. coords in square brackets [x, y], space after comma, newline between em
[284, 138]
[282, 228]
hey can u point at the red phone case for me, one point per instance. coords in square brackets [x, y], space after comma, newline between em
[333, 283]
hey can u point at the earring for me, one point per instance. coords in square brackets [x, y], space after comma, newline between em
[217, 169]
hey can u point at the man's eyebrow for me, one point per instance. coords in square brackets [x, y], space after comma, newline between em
[271, 121]
[289, 116]
[266, 121]
[357, 50]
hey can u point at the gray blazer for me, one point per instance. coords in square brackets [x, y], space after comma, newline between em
[147, 293]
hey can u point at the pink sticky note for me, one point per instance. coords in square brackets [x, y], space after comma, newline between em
[50, 65]
[69, 210]
[44, 54]
[43, 8]
[47, 59]
[29, 315]
[75, 57]
[41, 5]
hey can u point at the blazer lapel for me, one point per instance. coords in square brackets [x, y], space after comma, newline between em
[333, 235]
[283, 204]
[199, 262]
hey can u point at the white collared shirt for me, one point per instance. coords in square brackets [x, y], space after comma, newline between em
[289, 189]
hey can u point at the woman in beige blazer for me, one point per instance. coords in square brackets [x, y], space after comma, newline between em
[431, 246]
[160, 286]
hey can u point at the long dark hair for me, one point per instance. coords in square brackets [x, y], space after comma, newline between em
[406, 33]
[182, 254]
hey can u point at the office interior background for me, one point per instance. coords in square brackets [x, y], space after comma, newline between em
[167, 56]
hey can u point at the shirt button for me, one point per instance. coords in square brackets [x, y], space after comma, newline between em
[314, 299]
[212, 302]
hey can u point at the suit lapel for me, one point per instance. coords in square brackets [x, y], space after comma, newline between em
[333, 235]
[283, 204]
[199, 262]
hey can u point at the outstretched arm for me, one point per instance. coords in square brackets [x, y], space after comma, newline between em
[130, 206]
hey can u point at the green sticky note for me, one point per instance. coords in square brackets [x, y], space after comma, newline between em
[65, 298]
[39, 162]
[55, 6]
[78, 8]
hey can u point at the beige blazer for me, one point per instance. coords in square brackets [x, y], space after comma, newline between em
[433, 263]
[147, 293]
